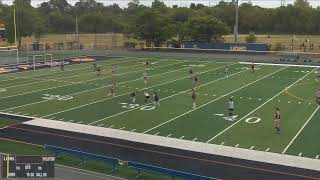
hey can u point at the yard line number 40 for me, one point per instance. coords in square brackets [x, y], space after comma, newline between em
[250, 120]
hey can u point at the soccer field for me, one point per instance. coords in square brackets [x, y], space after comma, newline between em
[77, 95]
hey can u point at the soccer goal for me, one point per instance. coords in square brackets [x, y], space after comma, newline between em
[9, 56]
[39, 61]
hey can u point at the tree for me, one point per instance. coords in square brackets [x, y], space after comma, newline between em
[206, 29]
[157, 4]
[302, 3]
[251, 38]
[153, 28]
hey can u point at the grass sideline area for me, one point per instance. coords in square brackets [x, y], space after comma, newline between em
[78, 95]
[10, 147]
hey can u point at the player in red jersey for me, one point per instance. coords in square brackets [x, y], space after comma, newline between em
[193, 96]
[277, 120]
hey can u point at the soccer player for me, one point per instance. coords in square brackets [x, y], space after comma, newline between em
[145, 78]
[191, 73]
[196, 81]
[252, 67]
[146, 98]
[318, 97]
[62, 65]
[147, 65]
[226, 71]
[98, 69]
[230, 108]
[133, 96]
[113, 70]
[277, 120]
[193, 96]
[112, 92]
[156, 100]
[94, 67]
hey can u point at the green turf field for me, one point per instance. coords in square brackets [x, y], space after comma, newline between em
[77, 95]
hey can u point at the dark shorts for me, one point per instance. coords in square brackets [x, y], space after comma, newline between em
[231, 109]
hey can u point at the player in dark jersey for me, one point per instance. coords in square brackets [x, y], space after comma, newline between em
[156, 100]
[277, 120]
[62, 65]
[147, 65]
[318, 97]
[196, 81]
[252, 67]
[98, 69]
[146, 98]
[194, 97]
[133, 96]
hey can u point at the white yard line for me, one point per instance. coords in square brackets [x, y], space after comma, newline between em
[84, 105]
[88, 90]
[168, 97]
[212, 100]
[259, 107]
[80, 82]
[59, 71]
[304, 125]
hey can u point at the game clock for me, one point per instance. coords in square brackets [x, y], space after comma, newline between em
[27, 166]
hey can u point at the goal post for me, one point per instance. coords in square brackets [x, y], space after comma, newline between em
[40, 60]
[9, 56]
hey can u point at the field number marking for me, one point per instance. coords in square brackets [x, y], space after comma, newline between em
[132, 106]
[250, 120]
[56, 97]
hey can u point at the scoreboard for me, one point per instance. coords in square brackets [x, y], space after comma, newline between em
[27, 166]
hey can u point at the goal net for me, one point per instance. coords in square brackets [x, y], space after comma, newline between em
[9, 56]
[39, 61]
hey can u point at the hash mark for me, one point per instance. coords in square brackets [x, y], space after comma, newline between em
[300, 154]
[194, 139]
[237, 146]
[156, 133]
[252, 147]
[169, 135]
[181, 137]
[123, 128]
[267, 149]
[317, 157]
[133, 130]
[101, 125]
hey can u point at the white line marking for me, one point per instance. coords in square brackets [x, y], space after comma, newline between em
[267, 149]
[317, 157]
[304, 125]
[101, 125]
[181, 137]
[88, 90]
[252, 147]
[213, 100]
[123, 128]
[111, 126]
[161, 99]
[258, 107]
[70, 121]
[289, 102]
[157, 133]
[133, 130]
[236, 146]
[222, 143]
[169, 135]
[300, 154]
[80, 122]
[194, 139]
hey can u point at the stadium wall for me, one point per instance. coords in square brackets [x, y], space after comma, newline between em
[220, 46]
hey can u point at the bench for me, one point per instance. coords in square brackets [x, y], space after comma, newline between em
[84, 155]
[169, 172]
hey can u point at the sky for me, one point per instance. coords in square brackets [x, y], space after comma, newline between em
[183, 3]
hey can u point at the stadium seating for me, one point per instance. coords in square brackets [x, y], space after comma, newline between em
[84, 155]
[169, 172]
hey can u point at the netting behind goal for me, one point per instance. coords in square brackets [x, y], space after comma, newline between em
[39, 61]
[9, 56]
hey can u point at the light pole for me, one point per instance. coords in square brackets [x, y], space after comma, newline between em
[236, 26]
